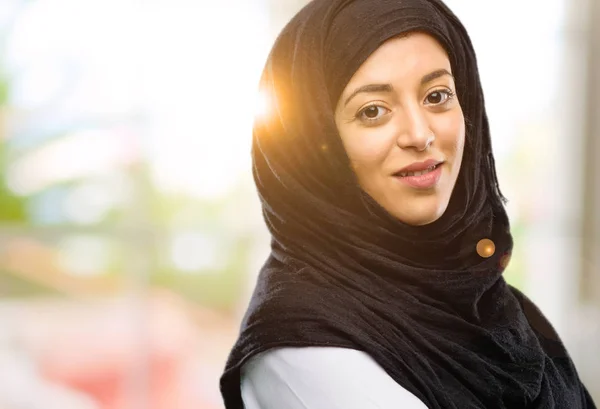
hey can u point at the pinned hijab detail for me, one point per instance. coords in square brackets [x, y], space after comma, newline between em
[428, 303]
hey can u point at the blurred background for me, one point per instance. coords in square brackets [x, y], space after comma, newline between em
[130, 231]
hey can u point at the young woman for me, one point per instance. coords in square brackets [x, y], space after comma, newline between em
[384, 286]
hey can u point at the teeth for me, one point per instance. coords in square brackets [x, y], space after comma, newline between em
[419, 173]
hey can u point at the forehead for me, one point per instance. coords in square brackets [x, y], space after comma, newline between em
[402, 57]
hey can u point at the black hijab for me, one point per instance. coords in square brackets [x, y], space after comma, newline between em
[439, 318]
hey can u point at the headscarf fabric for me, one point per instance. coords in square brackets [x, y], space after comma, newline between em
[439, 318]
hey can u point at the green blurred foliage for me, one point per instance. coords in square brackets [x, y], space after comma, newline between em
[14, 286]
[12, 207]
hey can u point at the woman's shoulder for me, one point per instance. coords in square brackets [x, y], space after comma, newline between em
[320, 377]
[545, 332]
[537, 319]
[309, 358]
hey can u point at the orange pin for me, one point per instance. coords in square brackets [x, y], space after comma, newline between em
[486, 248]
[504, 261]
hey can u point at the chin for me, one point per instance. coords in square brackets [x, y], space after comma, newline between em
[420, 220]
[420, 214]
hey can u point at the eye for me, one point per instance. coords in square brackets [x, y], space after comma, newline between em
[439, 97]
[372, 113]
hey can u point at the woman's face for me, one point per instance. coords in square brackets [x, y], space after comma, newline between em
[403, 128]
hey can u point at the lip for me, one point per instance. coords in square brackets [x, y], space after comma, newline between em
[419, 166]
[426, 181]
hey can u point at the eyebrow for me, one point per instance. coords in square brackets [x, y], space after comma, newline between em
[435, 75]
[371, 88]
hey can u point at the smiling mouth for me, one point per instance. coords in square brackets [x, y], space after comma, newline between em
[418, 173]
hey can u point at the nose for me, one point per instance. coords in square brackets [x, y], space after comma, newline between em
[414, 131]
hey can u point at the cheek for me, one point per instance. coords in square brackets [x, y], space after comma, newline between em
[367, 150]
[451, 132]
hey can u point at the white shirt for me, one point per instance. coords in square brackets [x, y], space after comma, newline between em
[320, 378]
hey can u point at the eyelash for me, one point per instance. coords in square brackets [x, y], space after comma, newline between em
[359, 115]
[449, 95]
